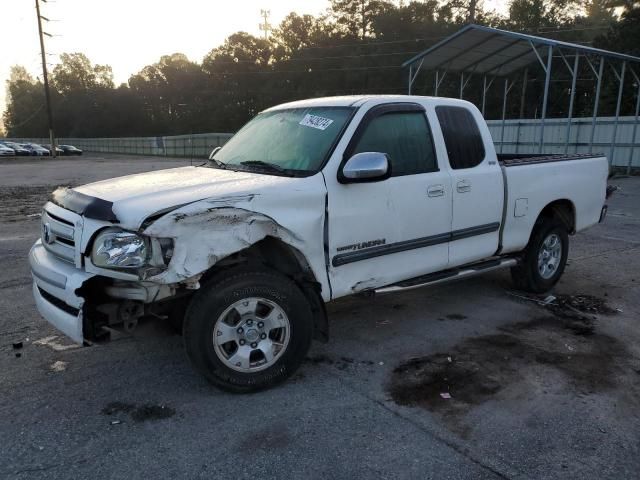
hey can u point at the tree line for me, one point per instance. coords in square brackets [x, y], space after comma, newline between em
[356, 47]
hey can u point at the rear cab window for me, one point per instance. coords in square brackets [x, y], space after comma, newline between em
[462, 137]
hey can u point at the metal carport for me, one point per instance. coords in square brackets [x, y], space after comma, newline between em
[476, 50]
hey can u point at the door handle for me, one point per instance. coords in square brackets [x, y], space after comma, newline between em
[435, 190]
[463, 186]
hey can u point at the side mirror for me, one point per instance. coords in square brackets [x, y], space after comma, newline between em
[213, 152]
[366, 167]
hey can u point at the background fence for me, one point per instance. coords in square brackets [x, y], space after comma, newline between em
[515, 136]
[190, 146]
[523, 136]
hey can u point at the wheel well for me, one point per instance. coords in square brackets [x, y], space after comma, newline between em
[563, 210]
[273, 253]
[285, 259]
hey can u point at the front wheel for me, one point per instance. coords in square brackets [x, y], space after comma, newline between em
[544, 258]
[248, 330]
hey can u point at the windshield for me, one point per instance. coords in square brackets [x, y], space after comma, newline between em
[295, 140]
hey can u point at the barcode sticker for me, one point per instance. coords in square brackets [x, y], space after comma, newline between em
[315, 121]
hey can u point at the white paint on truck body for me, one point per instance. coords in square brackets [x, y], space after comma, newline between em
[223, 212]
[582, 182]
[212, 213]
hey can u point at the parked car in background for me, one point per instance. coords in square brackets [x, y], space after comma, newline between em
[35, 149]
[70, 150]
[59, 151]
[17, 148]
[6, 151]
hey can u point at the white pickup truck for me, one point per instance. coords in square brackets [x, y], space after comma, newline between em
[309, 202]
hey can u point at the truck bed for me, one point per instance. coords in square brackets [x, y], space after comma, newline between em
[516, 159]
[542, 179]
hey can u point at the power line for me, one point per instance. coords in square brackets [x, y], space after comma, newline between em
[29, 118]
[310, 59]
[366, 44]
[572, 29]
[310, 70]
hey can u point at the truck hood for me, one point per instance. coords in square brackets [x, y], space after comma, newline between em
[137, 197]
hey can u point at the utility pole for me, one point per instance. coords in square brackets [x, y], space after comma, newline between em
[45, 76]
[265, 26]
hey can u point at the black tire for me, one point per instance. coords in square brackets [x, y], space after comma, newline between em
[527, 276]
[211, 301]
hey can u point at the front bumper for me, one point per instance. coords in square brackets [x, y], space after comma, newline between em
[55, 283]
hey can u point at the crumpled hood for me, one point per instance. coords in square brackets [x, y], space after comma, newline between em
[136, 197]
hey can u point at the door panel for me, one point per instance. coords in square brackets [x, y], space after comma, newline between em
[477, 212]
[386, 231]
[478, 191]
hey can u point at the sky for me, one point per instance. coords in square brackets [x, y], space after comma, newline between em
[129, 34]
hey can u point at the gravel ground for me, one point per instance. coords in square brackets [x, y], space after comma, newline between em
[536, 391]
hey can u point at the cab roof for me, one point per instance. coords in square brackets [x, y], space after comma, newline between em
[356, 101]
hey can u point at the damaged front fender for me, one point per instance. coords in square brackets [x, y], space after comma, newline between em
[204, 237]
[210, 230]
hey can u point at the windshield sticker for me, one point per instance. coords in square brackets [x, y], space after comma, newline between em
[315, 121]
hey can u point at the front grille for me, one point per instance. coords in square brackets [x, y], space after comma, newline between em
[58, 303]
[58, 236]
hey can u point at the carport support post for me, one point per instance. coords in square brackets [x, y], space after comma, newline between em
[596, 103]
[615, 124]
[635, 124]
[571, 99]
[435, 89]
[461, 84]
[545, 96]
[484, 92]
[504, 112]
[524, 92]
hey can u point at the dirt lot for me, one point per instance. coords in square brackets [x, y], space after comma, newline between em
[469, 380]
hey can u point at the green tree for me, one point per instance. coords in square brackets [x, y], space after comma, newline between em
[295, 33]
[356, 17]
[25, 113]
[171, 92]
[239, 72]
[531, 15]
[75, 73]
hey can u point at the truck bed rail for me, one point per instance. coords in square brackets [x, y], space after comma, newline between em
[516, 159]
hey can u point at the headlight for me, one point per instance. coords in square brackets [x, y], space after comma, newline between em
[119, 249]
[122, 250]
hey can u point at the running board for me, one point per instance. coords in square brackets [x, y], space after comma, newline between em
[459, 273]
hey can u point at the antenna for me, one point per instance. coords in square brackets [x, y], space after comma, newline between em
[265, 26]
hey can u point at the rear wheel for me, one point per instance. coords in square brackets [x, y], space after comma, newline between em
[544, 258]
[248, 330]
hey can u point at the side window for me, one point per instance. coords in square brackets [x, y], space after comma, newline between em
[405, 137]
[462, 138]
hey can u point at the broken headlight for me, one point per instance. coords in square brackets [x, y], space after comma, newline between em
[120, 249]
[114, 248]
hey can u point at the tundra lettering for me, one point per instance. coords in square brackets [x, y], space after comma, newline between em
[359, 246]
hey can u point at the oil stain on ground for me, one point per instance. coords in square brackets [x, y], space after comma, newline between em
[478, 369]
[139, 413]
[574, 305]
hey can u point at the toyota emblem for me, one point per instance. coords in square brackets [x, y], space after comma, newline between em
[46, 233]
